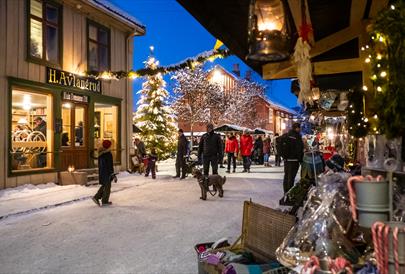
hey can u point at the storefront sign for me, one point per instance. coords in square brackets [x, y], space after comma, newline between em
[75, 97]
[67, 79]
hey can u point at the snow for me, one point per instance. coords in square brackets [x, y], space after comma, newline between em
[151, 227]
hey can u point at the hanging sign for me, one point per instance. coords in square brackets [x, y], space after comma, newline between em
[75, 97]
[68, 79]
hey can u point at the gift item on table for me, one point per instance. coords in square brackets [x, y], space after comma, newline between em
[327, 99]
[369, 268]
[322, 228]
[327, 265]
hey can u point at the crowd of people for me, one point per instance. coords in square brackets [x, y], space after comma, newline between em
[213, 150]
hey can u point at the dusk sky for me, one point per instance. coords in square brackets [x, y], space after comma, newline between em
[176, 35]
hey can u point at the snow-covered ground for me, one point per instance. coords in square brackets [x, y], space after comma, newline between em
[151, 227]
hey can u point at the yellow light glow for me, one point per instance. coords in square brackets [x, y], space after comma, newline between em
[363, 48]
[366, 120]
[381, 39]
[374, 77]
[71, 168]
[367, 60]
[67, 105]
[392, 7]
[383, 74]
[367, 46]
[379, 56]
[375, 116]
[269, 25]
[365, 88]
[374, 128]
[378, 65]
[217, 76]
[379, 89]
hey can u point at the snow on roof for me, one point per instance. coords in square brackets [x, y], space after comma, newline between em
[117, 12]
[278, 106]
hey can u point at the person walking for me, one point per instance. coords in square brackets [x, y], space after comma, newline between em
[181, 155]
[277, 149]
[221, 158]
[152, 159]
[266, 151]
[105, 174]
[246, 146]
[258, 150]
[231, 149]
[292, 148]
[40, 125]
[140, 147]
[210, 149]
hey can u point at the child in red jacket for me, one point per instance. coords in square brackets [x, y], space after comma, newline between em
[232, 149]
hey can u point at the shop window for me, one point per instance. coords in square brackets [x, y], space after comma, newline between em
[32, 131]
[98, 47]
[44, 31]
[66, 124]
[106, 127]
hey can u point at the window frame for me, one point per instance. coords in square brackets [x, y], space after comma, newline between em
[45, 23]
[88, 40]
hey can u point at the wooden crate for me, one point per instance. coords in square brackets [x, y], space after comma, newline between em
[263, 231]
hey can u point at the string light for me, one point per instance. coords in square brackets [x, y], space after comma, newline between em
[381, 39]
[379, 56]
[367, 60]
[365, 88]
[363, 49]
[392, 7]
[383, 74]
[367, 46]
[374, 77]
[378, 65]
[379, 88]
[375, 116]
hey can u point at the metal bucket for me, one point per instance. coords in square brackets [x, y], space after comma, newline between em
[401, 247]
[372, 202]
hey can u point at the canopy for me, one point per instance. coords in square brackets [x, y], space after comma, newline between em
[232, 128]
[135, 129]
[262, 131]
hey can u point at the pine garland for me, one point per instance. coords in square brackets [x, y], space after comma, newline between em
[388, 65]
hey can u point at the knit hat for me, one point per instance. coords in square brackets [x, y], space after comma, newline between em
[336, 162]
[106, 144]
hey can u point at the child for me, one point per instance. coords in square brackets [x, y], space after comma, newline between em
[152, 158]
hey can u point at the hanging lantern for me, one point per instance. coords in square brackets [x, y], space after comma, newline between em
[269, 31]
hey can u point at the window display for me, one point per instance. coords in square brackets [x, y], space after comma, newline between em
[106, 126]
[32, 134]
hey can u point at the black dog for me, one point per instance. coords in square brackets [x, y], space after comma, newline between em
[213, 180]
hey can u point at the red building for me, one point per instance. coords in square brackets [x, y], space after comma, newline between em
[272, 116]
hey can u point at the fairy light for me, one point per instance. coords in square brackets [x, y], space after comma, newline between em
[367, 60]
[379, 56]
[383, 74]
[374, 77]
[375, 116]
[367, 46]
[392, 7]
[379, 88]
[378, 65]
[363, 48]
[366, 120]
[381, 39]
[365, 88]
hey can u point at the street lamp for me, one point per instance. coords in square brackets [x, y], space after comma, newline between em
[269, 31]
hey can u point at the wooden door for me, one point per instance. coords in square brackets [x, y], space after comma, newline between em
[74, 138]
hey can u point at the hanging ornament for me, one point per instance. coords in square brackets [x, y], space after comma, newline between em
[344, 102]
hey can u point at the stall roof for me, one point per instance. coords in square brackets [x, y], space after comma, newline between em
[336, 26]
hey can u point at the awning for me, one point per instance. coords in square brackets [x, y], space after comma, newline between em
[232, 128]
[136, 129]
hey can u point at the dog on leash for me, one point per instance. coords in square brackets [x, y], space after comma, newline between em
[216, 181]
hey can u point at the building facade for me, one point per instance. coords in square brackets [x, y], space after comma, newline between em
[53, 115]
[271, 116]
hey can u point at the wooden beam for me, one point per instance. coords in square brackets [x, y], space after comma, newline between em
[295, 7]
[321, 68]
[273, 68]
[357, 11]
[338, 66]
[376, 6]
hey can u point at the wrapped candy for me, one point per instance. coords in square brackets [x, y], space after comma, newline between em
[321, 229]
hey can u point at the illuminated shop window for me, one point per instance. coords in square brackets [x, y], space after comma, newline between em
[106, 127]
[31, 130]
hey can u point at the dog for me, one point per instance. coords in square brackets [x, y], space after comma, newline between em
[216, 181]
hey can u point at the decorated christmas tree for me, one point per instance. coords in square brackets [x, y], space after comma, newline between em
[154, 116]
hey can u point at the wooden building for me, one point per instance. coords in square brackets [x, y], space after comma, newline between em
[53, 115]
[272, 116]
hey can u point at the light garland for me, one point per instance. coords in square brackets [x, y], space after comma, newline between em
[189, 62]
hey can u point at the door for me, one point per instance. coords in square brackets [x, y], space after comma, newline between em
[74, 137]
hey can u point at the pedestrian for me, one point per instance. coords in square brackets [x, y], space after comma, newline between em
[210, 150]
[246, 146]
[152, 159]
[267, 151]
[277, 149]
[181, 155]
[140, 147]
[40, 125]
[105, 174]
[258, 150]
[232, 149]
[292, 151]
[221, 159]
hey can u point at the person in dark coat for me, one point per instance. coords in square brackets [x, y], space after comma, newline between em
[40, 125]
[152, 159]
[292, 151]
[181, 155]
[277, 149]
[258, 150]
[211, 150]
[105, 174]
[140, 148]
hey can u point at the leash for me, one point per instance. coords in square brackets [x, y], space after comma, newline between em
[208, 188]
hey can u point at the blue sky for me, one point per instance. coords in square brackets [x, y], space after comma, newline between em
[176, 35]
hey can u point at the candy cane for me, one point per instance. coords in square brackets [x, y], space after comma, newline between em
[386, 251]
[352, 194]
[396, 257]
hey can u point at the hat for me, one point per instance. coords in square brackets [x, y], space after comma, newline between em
[336, 162]
[296, 125]
[106, 144]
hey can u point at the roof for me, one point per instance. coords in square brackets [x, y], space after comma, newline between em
[118, 13]
[277, 105]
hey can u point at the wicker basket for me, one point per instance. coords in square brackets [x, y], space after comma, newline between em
[263, 231]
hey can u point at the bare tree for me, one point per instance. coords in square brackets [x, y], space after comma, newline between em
[197, 99]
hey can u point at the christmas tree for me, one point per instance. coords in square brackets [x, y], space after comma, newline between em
[154, 116]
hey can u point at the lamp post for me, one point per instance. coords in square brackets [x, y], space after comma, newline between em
[269, 31]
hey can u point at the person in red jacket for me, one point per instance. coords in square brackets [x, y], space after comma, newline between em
[232, 149]
[246, 146]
